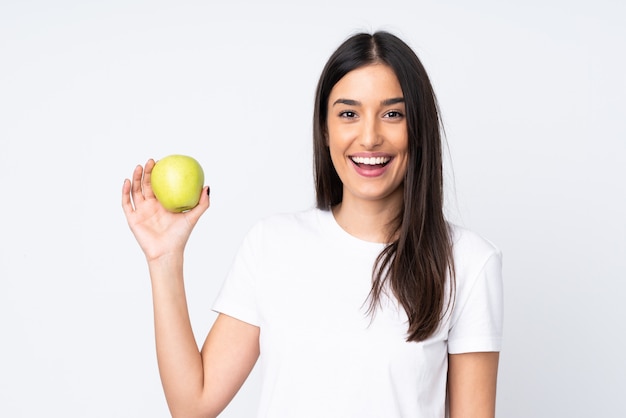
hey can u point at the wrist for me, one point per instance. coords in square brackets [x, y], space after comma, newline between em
[166, 265]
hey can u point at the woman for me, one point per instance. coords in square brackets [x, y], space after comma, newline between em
[370, 305]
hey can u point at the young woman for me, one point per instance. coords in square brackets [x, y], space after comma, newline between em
[371, 304]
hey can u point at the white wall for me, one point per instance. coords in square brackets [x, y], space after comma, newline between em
[532, 96]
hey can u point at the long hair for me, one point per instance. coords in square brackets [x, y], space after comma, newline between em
[417, 261]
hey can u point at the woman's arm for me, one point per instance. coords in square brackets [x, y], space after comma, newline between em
[472, 384]
[195, 383]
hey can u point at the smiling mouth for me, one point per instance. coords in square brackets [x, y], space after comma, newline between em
[370, 162]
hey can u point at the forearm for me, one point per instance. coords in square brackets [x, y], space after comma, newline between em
[179, 359]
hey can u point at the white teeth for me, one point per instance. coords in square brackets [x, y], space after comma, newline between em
[371, 160]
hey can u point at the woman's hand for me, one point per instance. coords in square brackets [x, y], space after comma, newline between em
[158, 231]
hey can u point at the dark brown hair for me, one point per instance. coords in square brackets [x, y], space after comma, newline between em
[416, 263]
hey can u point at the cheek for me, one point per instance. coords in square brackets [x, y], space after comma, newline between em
[404, 165]
[336, 156]
[336, 142]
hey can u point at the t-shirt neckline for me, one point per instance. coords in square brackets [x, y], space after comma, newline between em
[328, 219]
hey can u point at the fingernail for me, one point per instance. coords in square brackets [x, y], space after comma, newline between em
[208, 191]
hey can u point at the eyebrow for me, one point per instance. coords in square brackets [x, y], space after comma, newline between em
[386, 102]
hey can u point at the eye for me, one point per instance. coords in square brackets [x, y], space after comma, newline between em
[348, 114]
[393, 114]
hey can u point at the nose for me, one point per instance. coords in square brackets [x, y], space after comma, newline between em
[371, 136]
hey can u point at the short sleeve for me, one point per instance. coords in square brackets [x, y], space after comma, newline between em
[477, 319]
[237, 298]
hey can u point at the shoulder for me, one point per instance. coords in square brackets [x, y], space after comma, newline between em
[471, 250]
[476, 317]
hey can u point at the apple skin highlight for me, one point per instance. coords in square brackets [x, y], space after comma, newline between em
[177, 182]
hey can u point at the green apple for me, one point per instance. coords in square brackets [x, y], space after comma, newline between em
[177, 182]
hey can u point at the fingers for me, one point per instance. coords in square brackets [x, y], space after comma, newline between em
[137, 188]
[136, 185]
[126, 203]
[147, 175]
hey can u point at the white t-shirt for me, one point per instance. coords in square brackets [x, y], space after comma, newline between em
[305, 281]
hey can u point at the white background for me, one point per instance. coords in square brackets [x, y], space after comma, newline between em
[532, 95]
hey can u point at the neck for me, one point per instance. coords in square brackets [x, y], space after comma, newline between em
[368, 220]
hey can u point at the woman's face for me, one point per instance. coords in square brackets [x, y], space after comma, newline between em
[367, 134]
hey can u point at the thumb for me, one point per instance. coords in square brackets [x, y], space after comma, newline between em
[194, 214]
